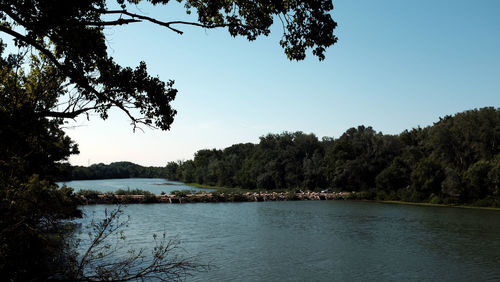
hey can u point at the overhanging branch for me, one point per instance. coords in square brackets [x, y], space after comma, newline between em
[71, 115]
[117, 22]
[33, 43]
[70, 74]
[167, 24]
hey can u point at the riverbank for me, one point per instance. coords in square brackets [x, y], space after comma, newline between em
[439, 205]
[181, 198]
[221, 197]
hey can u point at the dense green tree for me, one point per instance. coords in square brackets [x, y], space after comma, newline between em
[426, 179]
[394, 177]
[234, 157]
[452, 185]
[462, 140]
[32, 207]
[409, 166]
[187, 171]
[416, 165]
[171, 171]
[494, 176]
[115, 170]
[30, 143]
[458, 143]
[313, 172]
[358, 156]
[283, 161]
[477, 181]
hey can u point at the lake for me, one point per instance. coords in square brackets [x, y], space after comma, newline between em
[154, 185]
[324, 240]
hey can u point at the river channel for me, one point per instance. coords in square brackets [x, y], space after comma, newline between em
[324, 240]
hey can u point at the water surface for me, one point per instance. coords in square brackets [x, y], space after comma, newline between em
[325, 240]
[154, 185]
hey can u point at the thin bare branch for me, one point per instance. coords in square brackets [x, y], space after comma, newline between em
[164, 264]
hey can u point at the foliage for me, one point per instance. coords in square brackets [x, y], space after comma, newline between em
[32, 244]
[30, 144]
[132, 192]
[411, 166]
[427, 177]
[358, 156]
[88, 194]
[476, 178]
[395, 176]
[33, 208]
[466, 138]
[182, 193]
[71, 38]
[494, 176]
[113, 170]
[455, 160]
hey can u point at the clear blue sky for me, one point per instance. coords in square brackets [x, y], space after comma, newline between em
[397, 65]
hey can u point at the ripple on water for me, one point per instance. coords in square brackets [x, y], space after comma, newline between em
[327, 240]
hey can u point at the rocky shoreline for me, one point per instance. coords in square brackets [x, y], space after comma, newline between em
[214, 197]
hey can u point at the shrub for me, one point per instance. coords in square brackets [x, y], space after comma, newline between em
[291, 196]
[89, 194]
[182, 193]
[434, 199]
[133, 192]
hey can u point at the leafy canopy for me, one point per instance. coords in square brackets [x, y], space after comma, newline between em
[62, 69]
[69, 35]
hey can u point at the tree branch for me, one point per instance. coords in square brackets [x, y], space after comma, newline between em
[78, 80]
[167, 24]
[125, 12]
[117, 22]
[72, 114]
[33, 43]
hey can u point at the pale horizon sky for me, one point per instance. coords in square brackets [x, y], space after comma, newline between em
[397, 65]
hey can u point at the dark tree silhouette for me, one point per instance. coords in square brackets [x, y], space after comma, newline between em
[62, 69]
[70, 36]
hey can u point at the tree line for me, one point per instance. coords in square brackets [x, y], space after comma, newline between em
[113, 170]
[457, 159]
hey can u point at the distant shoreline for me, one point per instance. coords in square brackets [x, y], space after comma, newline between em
[110, 198]
[461, 206]
[166, 183]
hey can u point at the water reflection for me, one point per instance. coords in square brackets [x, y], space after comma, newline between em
[327, 240]
[154, 185]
